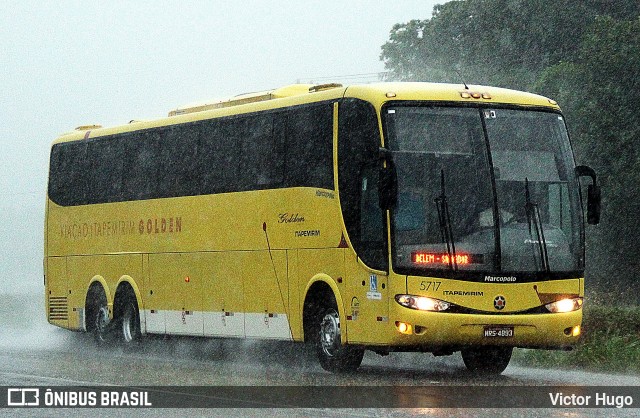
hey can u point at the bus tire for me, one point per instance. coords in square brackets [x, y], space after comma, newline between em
[98, 315]
[332, 354]
[487, 361]
[128, 327]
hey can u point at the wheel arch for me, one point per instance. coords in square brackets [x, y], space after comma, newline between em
[320, 286]
[96, 285]
[127, 287]
[125, 284]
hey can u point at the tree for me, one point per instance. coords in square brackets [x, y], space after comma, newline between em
[585, 54]
[598, 92]
[497, 42]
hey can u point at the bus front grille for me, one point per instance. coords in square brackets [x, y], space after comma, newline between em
[58, 308]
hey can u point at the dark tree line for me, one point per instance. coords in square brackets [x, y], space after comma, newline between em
[586, 55]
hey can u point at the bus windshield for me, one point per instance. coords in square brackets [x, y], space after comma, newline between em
[486, 190]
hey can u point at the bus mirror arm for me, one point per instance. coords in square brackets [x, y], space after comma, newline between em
[594, 198]
[387, 180]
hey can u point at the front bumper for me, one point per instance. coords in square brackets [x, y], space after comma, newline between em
[442, 329]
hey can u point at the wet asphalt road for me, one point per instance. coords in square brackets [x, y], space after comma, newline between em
[33, 353]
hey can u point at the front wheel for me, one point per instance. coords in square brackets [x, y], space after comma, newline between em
[490, 361]
[332, 354]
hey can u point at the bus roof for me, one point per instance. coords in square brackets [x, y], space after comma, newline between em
[375, 93]
[379, 93]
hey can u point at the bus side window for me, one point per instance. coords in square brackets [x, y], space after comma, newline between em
[67, 177]
[358, 165]
[262, 152]
[105, 160]
[309, 146]
[372, 248]
[140, 175]
[178, 159]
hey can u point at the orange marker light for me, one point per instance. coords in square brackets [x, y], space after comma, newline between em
[187, 279]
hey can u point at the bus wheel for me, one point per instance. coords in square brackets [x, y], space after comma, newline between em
[332, 354]
[489, 361]
[129, 323]
[99, 317]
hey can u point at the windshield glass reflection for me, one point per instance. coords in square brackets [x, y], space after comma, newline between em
[448, 214]
[535, 191]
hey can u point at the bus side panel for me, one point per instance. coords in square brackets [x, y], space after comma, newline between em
[295, 295]
[366, 303]
[223, 300]
[82, 269]
[175, 290]
[266, 293]
[57, 292]
[233, 294]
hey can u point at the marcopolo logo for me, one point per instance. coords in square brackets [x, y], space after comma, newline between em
[500, 279]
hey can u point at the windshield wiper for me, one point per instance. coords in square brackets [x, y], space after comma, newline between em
[533, 217]
[444, 218]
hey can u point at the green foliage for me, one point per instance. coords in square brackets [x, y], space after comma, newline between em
[597, 93]
[586, 55]
[498, 42]
[610, 341]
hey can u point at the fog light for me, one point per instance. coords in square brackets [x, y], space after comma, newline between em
[403, 327]
[575, 331]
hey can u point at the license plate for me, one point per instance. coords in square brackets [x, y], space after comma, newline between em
[498, 332]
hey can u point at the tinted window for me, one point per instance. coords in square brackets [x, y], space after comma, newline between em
[231, 154]
[178, 159]
[262, 158]
[358, 143]
[140, 177]
[68, 168]
[105, 162]
[310, 146]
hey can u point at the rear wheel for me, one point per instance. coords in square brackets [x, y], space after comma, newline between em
[332, 354]
[129, 326]
[487, 360]
[126, 317]
[99, 321]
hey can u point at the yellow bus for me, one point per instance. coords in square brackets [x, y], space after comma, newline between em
[389, 217]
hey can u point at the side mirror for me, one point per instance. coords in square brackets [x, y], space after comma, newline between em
[387, 181]
[594, 198]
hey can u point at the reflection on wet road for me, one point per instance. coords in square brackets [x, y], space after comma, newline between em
[36, 353]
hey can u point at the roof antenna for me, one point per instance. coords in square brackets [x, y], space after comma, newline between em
[462, 78]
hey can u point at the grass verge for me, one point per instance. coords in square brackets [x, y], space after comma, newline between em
[610, 342]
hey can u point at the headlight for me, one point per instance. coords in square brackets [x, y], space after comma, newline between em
[422, 303]
[564, 305]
